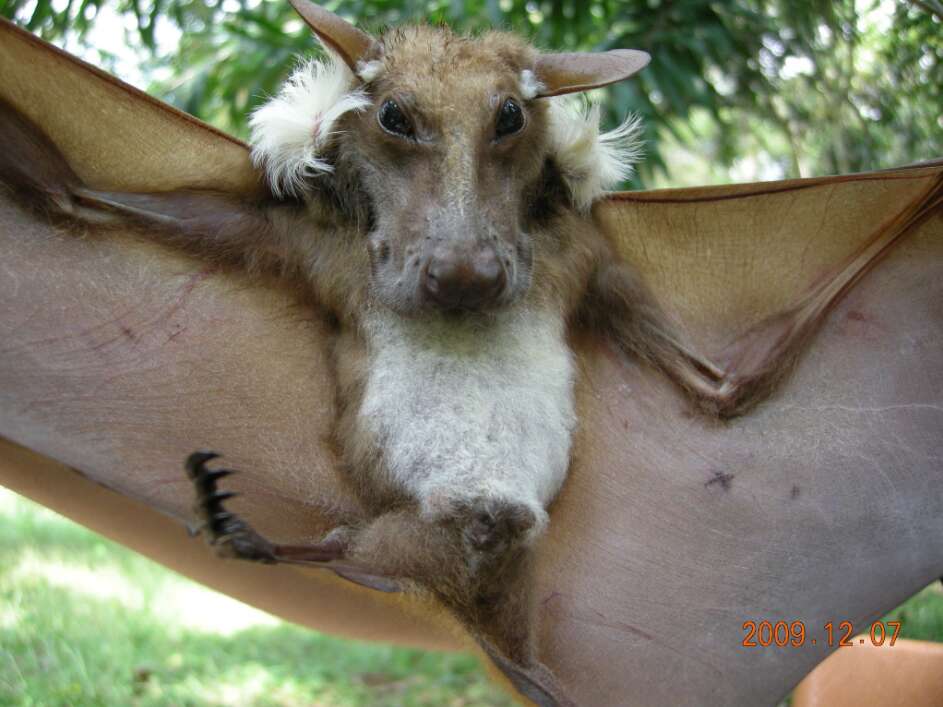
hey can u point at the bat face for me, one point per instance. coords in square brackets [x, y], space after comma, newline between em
[449, 155]
[450, 169]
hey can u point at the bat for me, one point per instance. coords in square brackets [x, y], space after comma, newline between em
[753, 337]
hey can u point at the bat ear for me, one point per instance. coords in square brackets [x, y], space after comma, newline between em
[337, 33]
[569, 73]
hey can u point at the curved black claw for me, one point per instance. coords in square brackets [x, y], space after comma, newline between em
[196, 461]
[197, 471]
[231, 536]
[227, 532]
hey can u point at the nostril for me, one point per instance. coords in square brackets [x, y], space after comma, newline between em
[430, 280]
[501, 277]
[491, 272]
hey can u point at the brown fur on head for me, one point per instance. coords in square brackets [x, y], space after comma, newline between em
[441, 150]
[450, 188]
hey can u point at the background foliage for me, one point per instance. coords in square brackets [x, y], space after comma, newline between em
[736, 90]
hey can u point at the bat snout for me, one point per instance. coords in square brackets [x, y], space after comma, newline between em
[454, 278]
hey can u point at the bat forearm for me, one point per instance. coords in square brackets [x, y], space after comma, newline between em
[619, 306]
[217, 226]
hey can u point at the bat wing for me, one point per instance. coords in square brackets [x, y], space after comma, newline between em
[118, 358]
[751, 271]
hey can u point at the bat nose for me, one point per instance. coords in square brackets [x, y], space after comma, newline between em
[469, 280]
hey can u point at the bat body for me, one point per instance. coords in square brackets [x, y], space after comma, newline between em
[443, 226]
[463, 411]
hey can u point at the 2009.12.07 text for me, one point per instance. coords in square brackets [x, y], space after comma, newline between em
[794, 634]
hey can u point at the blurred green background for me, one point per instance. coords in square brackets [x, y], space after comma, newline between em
[736, 91]
[84, 621]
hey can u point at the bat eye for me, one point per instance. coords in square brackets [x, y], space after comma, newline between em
[510, 119]
[393, 120]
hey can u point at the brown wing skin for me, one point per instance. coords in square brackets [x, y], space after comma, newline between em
[119, 357]
[251, 232]
[751, 321]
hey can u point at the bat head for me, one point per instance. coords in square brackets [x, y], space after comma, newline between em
[449, 151]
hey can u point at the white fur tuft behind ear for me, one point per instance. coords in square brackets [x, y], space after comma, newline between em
[591, 163]
[530, 85]
[369, 70]
[291, 132]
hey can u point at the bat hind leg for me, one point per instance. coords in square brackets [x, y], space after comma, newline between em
[233, 537]
[225, 531]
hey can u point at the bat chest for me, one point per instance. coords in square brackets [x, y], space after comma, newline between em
[467, 409]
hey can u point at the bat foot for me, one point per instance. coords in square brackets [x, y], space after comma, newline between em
[229, 534]
[494, 526]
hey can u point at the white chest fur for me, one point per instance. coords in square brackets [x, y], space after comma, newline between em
[467, 410]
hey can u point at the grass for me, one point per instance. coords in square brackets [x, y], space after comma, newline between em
[84, 621]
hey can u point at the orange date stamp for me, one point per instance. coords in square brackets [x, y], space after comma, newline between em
[794, 634]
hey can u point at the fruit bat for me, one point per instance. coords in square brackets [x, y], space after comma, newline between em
[622, 442]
